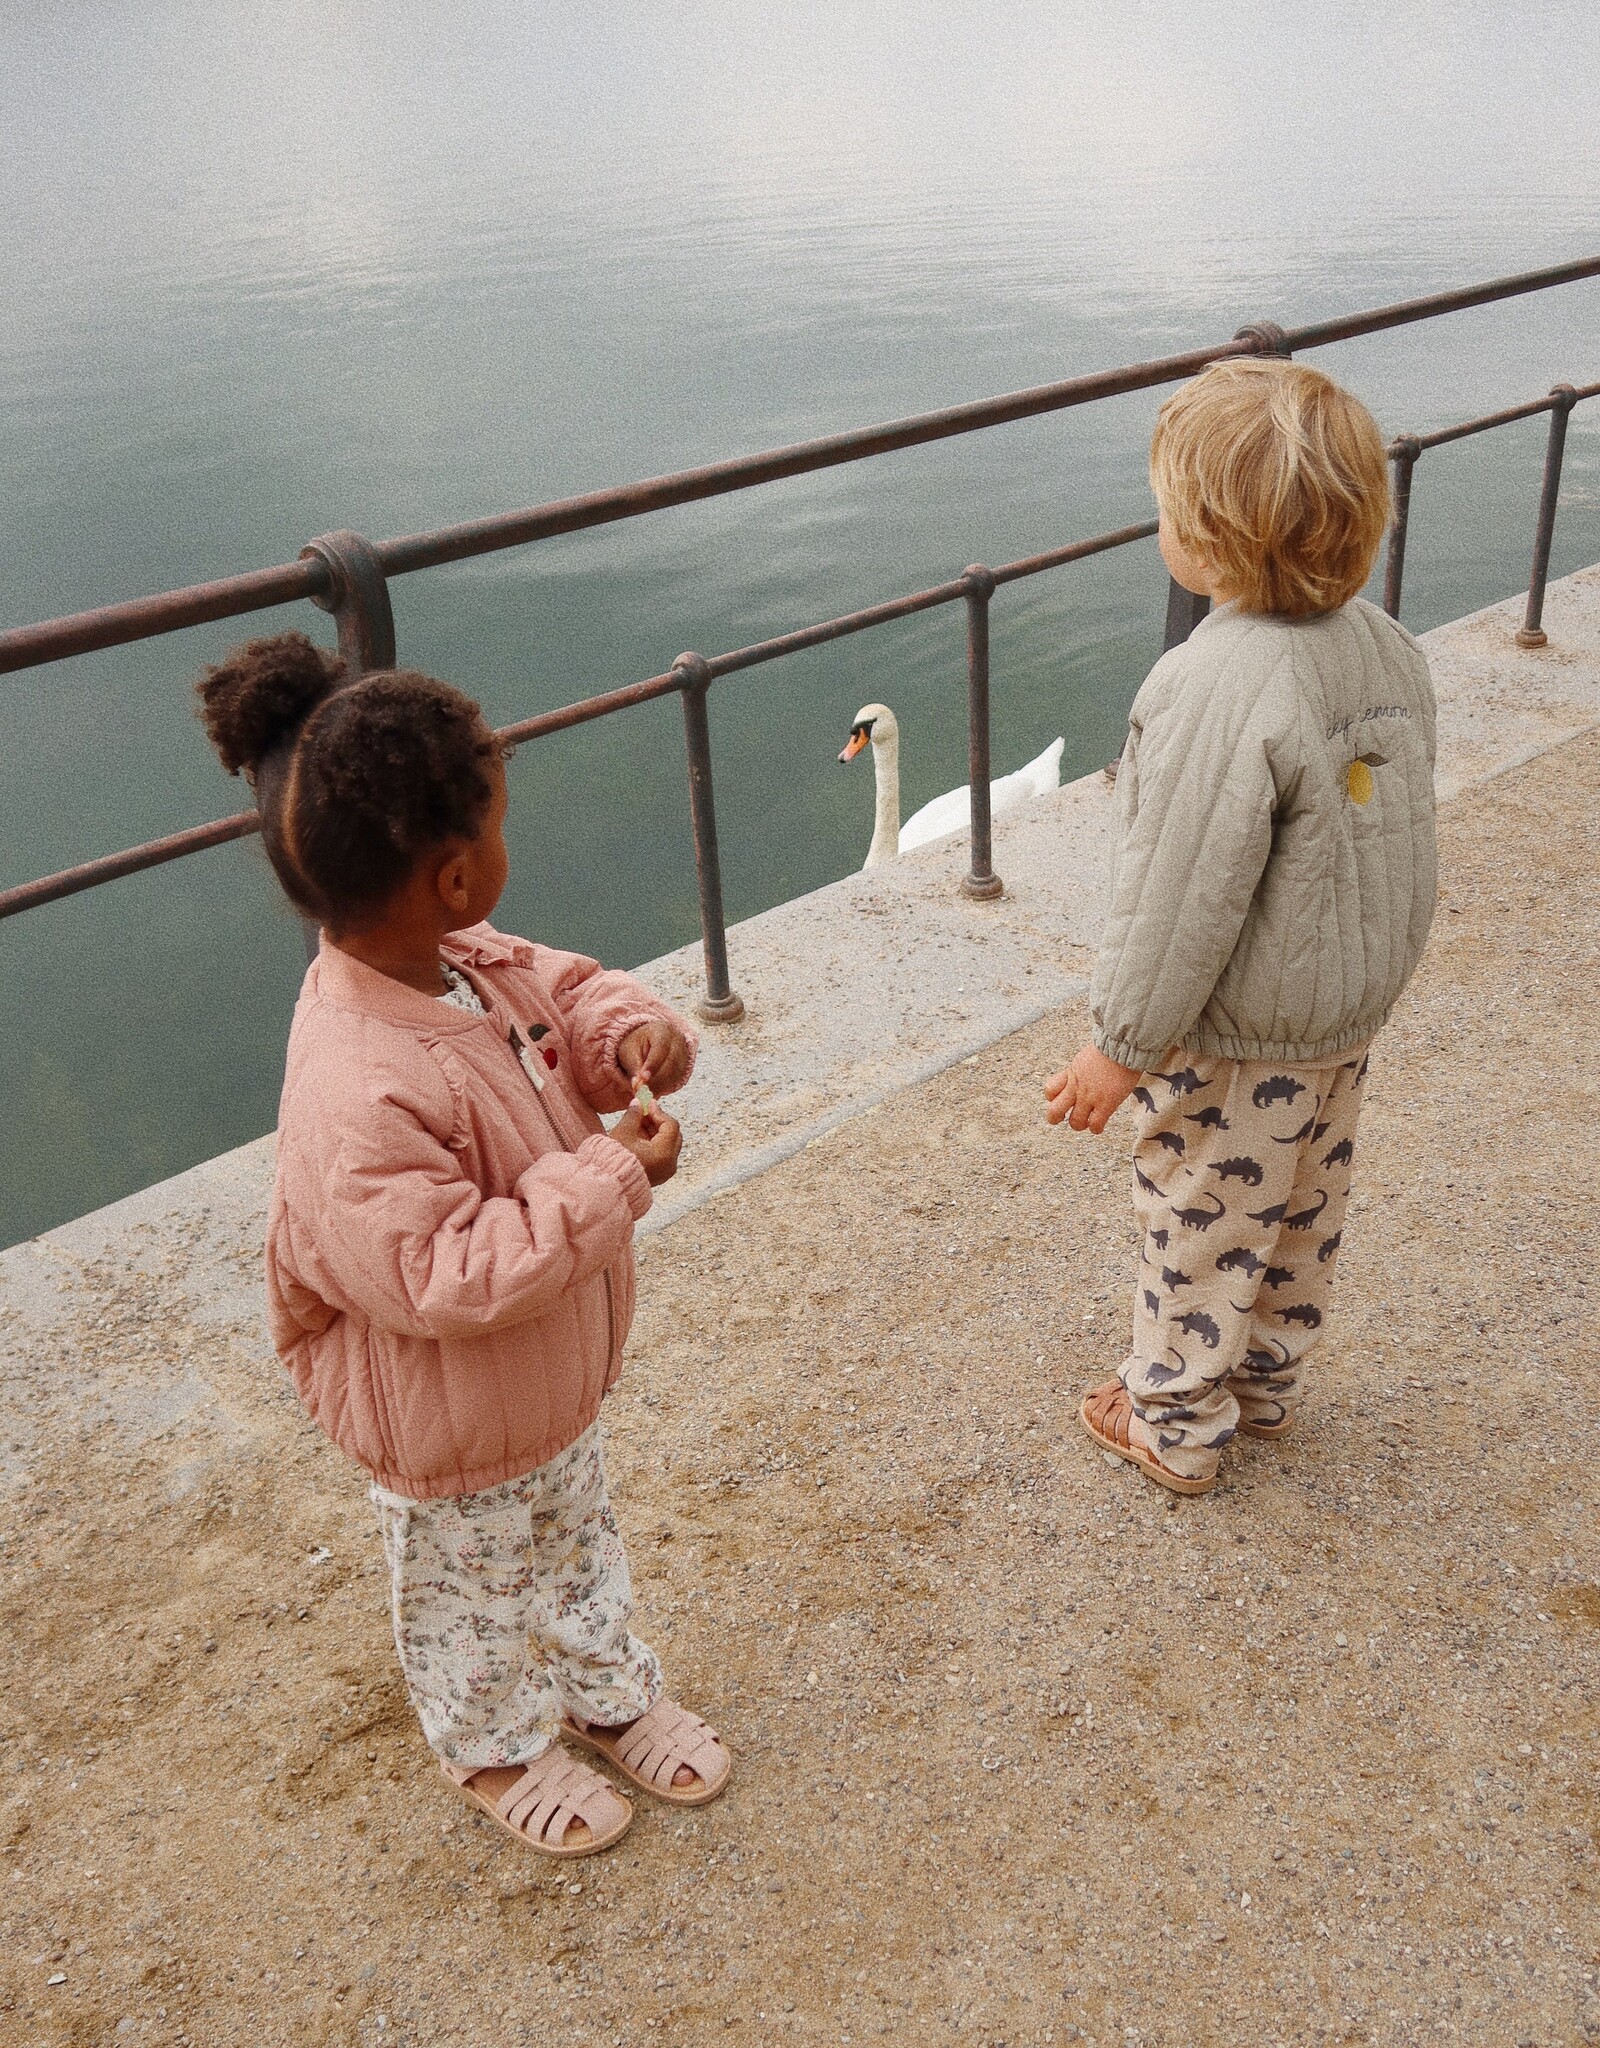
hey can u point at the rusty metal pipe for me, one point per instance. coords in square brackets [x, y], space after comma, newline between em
[1403, 454]
[589, 708]
[314, 577]
[570, 515]
[1074, 551]
[836, 629]
[717, 479]
[920, 601]
[1534, 406]
[1466, 428]
[1404, 311]
[980, 881]
[112, 867]
[1531, 633]
[144, 618]
[140, 618]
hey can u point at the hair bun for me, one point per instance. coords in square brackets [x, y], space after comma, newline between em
[256, 696]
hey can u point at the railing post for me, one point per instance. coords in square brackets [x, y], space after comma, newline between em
[1268, 336]
[1185, 610]
[358, 598]
[1403, 454]
[980, 882]
[719, 1004]
[1531, 633]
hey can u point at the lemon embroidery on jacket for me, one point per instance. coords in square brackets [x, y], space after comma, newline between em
[1358, 776]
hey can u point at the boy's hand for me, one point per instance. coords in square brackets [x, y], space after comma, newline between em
[1089, 1092]
[654, 1141]
[657, 1050]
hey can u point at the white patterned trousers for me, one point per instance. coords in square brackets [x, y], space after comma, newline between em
[511, 1606]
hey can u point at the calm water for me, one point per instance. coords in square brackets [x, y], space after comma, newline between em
[270, 271]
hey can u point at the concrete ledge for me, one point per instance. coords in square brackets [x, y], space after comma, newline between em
[1501, 704]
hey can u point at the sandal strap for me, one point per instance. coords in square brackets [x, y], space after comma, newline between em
[1112, 1408]
[553, 1791]
[665, 1739]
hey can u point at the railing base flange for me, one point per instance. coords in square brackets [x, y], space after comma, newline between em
[982, 888]
[1532, 636]
[726, 1009]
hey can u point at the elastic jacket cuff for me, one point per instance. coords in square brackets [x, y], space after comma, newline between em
[618, 1028]
[1125, 1052]
[619, 1164]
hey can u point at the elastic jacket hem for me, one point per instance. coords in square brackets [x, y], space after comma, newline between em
[1288, 1052]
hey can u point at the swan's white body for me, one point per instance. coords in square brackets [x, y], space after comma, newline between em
[947, 813]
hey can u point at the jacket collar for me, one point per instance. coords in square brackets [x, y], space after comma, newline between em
[480, 945]
[340, 978]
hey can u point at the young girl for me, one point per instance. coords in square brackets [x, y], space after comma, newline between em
[449, 1250]
[1272, 888]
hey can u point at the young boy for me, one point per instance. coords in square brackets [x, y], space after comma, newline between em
[1272, 887]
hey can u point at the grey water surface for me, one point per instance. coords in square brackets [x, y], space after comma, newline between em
[271, 271]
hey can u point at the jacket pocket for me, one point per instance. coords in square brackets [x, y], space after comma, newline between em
[621, 1292]
[382, 1420]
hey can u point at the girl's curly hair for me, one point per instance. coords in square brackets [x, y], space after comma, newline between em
[354, 780]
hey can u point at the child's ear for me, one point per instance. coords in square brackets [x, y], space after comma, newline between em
[453, 885]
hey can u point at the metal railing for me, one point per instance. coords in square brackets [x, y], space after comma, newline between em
[349, 577]
[1405, 453]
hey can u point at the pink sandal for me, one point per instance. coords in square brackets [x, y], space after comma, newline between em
[1106, 1412]
[651, 1751]
[554, 1793]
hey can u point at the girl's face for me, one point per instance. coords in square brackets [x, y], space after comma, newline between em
[485, 863]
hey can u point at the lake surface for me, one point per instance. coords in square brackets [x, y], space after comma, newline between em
[269, 272]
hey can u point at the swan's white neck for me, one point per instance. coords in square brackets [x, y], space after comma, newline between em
[886, 824]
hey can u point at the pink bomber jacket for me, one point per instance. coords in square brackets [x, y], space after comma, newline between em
[450, 1273]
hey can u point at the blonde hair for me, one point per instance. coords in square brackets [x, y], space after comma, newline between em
[1276, 479]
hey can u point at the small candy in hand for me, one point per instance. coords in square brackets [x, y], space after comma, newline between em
[644, 1101]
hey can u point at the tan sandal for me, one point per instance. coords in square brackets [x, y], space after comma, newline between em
[1106, 1412]
[555, 1793]
[651, 1751]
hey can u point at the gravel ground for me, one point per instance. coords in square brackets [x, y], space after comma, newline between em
[1028, 1752]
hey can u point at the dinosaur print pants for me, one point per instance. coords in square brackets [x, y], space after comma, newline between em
[1241, 1174]
[512, 1605]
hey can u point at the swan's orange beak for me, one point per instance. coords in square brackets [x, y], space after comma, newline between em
[852, 746]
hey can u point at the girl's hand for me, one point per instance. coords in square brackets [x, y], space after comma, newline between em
[1089, 1092]
[657, 1050]
[654, 1141]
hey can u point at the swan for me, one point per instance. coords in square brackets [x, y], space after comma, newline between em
[948, 813]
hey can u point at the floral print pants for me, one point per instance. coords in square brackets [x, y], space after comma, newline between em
[512, 1606]
[1241, 1175]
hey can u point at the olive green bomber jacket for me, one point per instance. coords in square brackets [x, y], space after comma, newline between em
[1275, 871]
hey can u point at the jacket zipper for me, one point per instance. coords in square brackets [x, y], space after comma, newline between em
[523, 1051]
